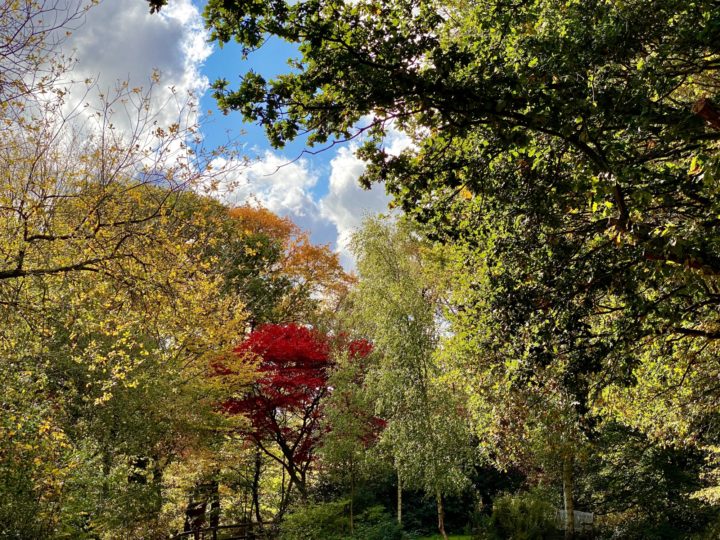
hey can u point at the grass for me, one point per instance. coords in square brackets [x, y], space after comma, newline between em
[450, 537]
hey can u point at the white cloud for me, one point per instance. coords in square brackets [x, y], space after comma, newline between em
[396, 141]
[280, 185]
[276, 183]
[346, 203]
[286, 187]
[120, 41]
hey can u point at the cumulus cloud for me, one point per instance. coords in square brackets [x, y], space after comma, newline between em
[275, 182]
[280, 185]
[346, 203]
[121, 41]
[287, 188]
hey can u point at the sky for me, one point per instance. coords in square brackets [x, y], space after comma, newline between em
[120, 41]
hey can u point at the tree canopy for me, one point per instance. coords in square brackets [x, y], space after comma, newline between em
[532, 332]
[571, 147]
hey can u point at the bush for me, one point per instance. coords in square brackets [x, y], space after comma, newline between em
[329, 521]
[376, 523]
[520, 516]
[712, 531]
[316, 521]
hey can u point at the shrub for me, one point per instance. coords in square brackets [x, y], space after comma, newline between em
[376, 523]
[520, 516]
[329, 521]
[316, 521]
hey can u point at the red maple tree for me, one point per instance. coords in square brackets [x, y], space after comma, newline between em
[284, 405]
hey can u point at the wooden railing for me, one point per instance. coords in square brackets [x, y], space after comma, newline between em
[242, 531]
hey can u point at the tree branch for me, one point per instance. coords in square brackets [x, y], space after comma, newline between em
[705, 109]
[693, 332]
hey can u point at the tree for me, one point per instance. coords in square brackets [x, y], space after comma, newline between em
[646, 486]
[271, 267]
[117, 370]
[351, 428]
[574, 143]
[284, 405]
[111, 311]
[30, 59]
[530, 372]
[569, 150]
[395, 306]
[279, 273]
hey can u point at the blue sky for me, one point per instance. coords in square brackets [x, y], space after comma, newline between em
[269, 61]
[227, 62]
[121, 41]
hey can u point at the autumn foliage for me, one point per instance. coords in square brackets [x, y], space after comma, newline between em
[316, 268]
[284, 405]
[293, 373]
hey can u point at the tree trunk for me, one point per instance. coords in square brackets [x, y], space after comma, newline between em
[297, 478]
[441, 515]
[399, 500]
[157, 480]
[256, 486]
[302, 485]
[106, 468]
[195, 512]
[214, 501]
[286, 496]
[568, 487]
[352, 500]
[283, 494]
